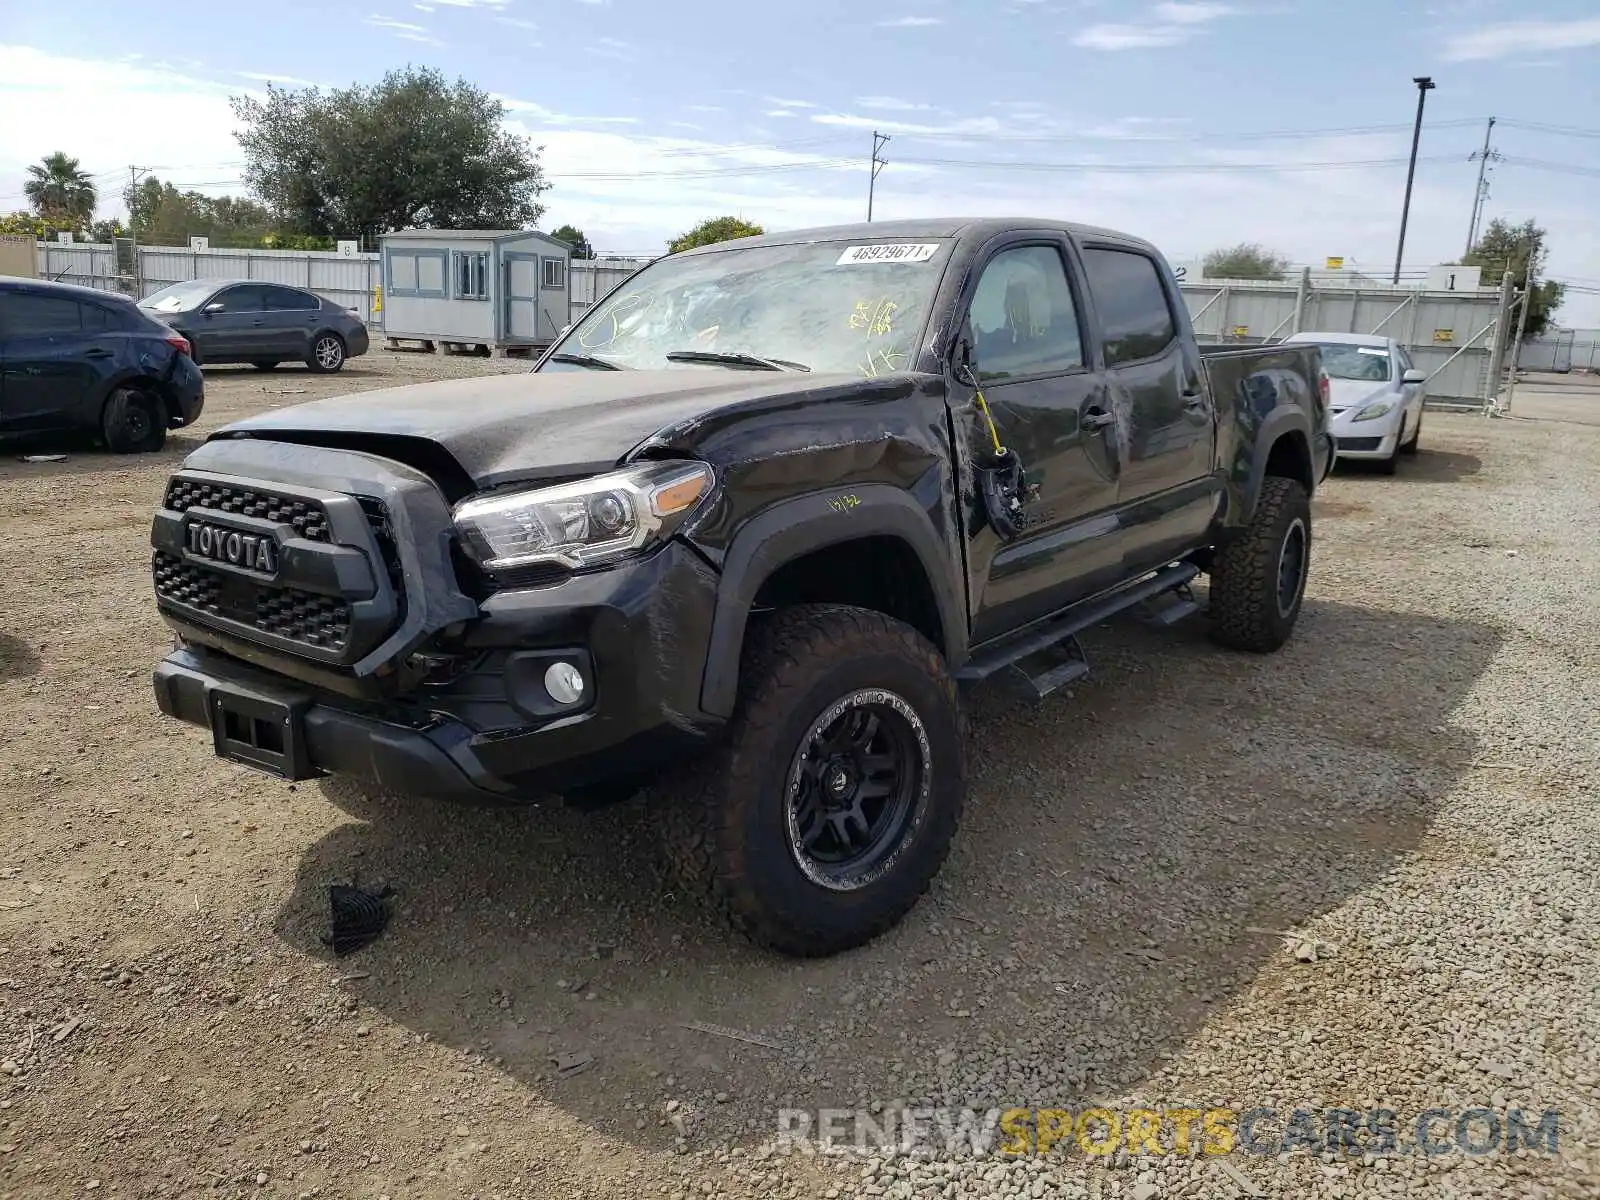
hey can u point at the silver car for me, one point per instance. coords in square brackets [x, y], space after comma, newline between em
[1375, 395]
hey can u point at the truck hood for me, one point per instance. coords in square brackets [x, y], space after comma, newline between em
[561, 424]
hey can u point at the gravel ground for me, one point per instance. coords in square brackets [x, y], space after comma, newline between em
[1407, 788]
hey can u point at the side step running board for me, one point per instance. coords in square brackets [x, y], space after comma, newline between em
[1048, 655]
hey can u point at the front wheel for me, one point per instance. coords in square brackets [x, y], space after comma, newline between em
[1258, 580]
[327, 353]
[1410, 447]
[831, 804]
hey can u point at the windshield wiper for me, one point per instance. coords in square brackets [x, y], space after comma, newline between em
[734, 359]
[585, 360]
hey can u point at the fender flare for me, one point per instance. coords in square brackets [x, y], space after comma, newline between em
[793, 528]
[1285, 421]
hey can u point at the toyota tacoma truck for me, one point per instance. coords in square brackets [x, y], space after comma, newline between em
[739, 539]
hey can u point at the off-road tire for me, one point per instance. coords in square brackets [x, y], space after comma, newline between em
[134, 422]
[723, 821]
[1245, 610]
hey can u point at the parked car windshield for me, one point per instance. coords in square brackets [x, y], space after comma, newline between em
[1343, 361]
[834, 306]
[178, 296]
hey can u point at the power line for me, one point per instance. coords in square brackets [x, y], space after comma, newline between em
[1562, 130]
[1173, 168]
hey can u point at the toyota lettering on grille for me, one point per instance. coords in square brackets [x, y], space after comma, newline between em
[252, 551]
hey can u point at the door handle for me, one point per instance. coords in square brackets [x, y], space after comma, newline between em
[97, 353]
[1095, 418]
[1194, 399]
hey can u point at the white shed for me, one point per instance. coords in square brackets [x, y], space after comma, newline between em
[500, 289]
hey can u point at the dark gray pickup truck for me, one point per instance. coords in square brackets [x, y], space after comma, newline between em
[738, 538]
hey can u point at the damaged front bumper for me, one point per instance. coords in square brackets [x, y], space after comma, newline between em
[486, 727]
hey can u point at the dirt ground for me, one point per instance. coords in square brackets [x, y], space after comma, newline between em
[170, 1023]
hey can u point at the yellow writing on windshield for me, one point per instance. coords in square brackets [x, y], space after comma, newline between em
[877, 318]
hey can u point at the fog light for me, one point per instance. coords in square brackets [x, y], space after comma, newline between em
[564, 682]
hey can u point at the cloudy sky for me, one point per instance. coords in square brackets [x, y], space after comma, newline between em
[1192, 122]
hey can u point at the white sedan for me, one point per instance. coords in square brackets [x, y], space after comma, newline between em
[1375, 395]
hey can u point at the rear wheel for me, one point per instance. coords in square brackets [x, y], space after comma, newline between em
[134, 422]
[327, 353]
[831, 804]
[1258, 581]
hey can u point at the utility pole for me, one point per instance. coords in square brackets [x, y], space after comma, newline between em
[1522, 328]
[1424, 86]
[1481, 193]
[879, 141]
[133, 234]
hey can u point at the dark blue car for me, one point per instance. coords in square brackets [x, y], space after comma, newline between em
[75, 360]
[249, 321]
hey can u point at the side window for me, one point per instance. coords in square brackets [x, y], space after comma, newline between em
[28, 314]
[97, 319]
[1135, 317]
[472, 275]
[1023, 319]
[402, 272]
[555, 273]
[290, 299]
[241, 299]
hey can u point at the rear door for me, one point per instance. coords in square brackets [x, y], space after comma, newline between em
[1039, 377]
[291, 316]
[51, 367]
[1168, 491]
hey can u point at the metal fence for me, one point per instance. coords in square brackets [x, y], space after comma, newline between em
[1569, 350]
[1455, 337]
[351, 281]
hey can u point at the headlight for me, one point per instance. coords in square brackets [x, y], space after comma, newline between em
[1373, 411]
[587, 523]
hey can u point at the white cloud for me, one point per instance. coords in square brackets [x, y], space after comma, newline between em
[778, 113]
[548, 116]
[268, 77]
[910, 22]
[613, 48]
[1179, 12]
[404, 30]
[1519, 37]
[472, 3]
[518, 22]
[1130, 37]
[778, 102]
[892, 104]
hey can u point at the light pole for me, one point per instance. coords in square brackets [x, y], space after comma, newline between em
[1424, 86]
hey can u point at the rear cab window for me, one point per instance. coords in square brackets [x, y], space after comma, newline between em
[1136, 319]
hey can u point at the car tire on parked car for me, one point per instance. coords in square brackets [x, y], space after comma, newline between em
[1258, 580]
[1410, 447]
[327, 353]
[824, 814]
[134, 421]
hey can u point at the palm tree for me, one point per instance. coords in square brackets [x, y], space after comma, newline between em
[60, 191]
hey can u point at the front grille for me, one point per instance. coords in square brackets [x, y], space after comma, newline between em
[306, 516]
[313, 620]
[1360, 443]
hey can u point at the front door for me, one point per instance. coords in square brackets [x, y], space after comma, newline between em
[522, 297]
[238, 330]
[1168, 492]
[1029, 354]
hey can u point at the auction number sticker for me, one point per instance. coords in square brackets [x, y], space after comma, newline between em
[897, 252]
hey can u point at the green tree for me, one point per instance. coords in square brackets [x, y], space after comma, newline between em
[1245, 261]
[708, 233]
[25, 224]
[410, 151]
[574, 237]
[60, 191]
[161, 215]
[1506, 248]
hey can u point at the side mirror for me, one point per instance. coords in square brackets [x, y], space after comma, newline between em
[214, 307]
[1413, 376]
